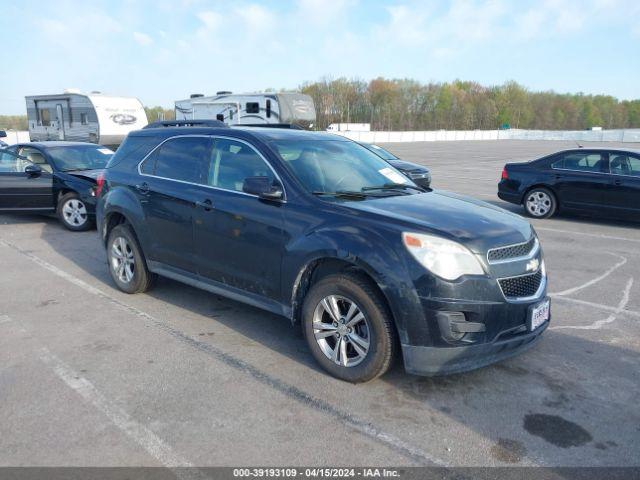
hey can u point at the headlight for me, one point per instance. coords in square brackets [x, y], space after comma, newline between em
[445, 258]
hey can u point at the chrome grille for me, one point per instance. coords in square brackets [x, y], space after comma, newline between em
[512, 251]
[521, 287]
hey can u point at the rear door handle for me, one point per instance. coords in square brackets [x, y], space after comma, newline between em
[143, 188]
[617, 182]
[206, 204]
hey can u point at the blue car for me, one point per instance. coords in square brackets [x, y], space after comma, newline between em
[317, 228]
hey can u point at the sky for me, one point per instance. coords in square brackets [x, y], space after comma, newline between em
[164, 50]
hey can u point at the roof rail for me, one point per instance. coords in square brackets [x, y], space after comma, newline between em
[187, 123]
[292, 126]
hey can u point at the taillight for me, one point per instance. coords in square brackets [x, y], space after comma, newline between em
[99, 184]
[505, 175]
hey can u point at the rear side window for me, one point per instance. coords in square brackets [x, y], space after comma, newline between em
[584, 162]
[182, 158]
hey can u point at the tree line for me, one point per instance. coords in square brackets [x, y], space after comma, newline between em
[404, 104]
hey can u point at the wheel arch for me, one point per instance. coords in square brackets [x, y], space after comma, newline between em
[546, 187]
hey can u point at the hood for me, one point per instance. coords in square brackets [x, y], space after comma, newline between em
[478, 225]
[88, 174]
[407, 166]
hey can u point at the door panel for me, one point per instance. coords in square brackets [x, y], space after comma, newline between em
[239, 238]
[168, 190]
[22, 191]
[580, 179]
[624, 187]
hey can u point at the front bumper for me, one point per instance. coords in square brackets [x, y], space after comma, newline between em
[448, 359]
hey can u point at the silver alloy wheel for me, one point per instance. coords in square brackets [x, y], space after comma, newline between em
[538, 203]
[74, 212]
[341, 330]
[122, 259]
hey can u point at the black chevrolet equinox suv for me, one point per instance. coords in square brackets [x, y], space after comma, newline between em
[317, 228]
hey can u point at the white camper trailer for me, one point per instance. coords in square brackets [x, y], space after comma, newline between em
[94, 117]
[249, 108]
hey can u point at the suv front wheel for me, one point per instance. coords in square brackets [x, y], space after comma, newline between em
[127, 265]
[348, 328]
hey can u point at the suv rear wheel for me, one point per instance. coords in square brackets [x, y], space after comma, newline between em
[127, 265]
[348, 328]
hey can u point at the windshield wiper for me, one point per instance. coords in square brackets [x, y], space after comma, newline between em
[342, 193]
[393, 186]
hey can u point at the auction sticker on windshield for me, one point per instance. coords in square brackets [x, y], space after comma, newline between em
[392, 175]
[539, 314]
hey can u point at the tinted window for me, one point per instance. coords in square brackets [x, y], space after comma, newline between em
[253, 107]
[232, 162]
[624, 164]
[588, 162]
[182, 159]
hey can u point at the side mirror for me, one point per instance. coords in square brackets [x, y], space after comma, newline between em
[263, 187]
[33, 170]
[3, 134]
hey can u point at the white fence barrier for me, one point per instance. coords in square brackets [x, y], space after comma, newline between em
[15, 136]
[632, 135]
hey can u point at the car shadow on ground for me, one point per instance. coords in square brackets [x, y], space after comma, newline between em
[582, 219]
[546, 405]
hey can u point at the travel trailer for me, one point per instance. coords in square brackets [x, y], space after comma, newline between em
[249, 108]
[93, 117]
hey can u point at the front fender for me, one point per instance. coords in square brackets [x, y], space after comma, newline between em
[379, 254]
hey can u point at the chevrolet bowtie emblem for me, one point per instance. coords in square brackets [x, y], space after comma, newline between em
[533, 265]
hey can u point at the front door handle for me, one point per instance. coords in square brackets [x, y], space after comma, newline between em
[143, 188]
[206, 204]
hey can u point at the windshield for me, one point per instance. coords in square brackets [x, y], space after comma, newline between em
[80, 157]
[326, 166]
[381, 152]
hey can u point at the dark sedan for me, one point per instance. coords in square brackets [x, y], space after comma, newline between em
[419, 174]
[55, 177]
[584, 180]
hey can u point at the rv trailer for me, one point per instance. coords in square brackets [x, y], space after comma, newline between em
[93, 117]
[249, 108]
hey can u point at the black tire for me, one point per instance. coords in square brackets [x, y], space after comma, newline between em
[540, 202]
[141, 278]
[381, 334]
[72, 212]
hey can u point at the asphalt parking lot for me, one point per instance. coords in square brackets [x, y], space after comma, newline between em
[92, 376]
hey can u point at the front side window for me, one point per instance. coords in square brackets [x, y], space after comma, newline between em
[80, 157]
[12, 163]
[334, 166]
[624, 164]
[182, 158]
[583, 162]
[36, 157]
[232, 162]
